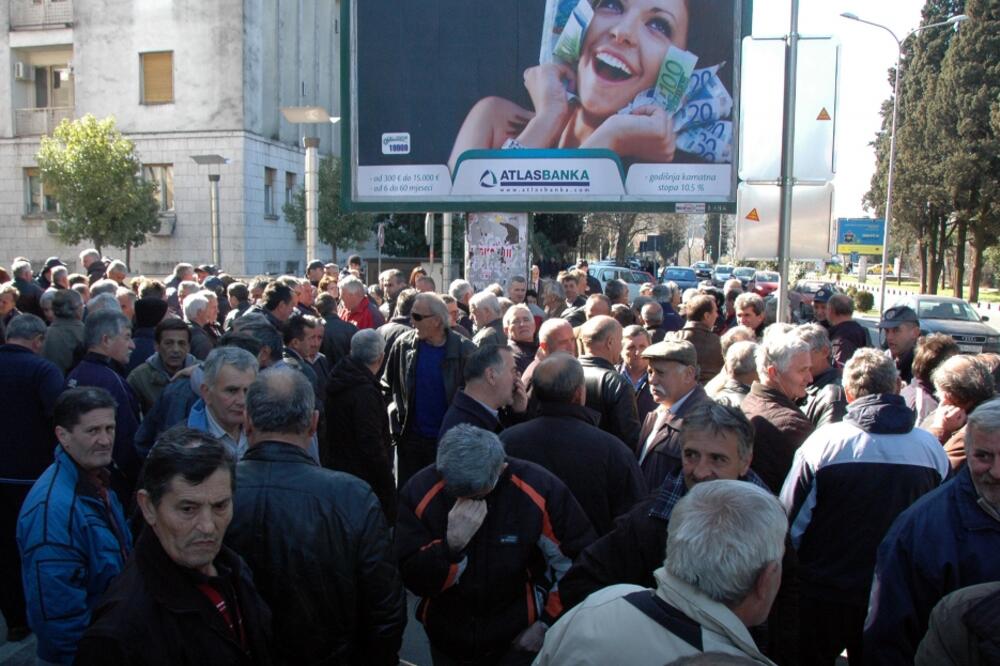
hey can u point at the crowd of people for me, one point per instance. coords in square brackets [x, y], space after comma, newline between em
[212, 470]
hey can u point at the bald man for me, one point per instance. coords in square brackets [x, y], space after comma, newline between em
[608, 393]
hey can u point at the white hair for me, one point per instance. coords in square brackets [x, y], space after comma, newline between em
[89, 253]
[815, 336]
[459, 288]
[125, 291]
[194, 305]
[104, 286]
[777, 352]
[186, 288]
[352, 283]
[721, 535]
[103, 302]
[508, 316]
[740, 358]
[117, 266]
[18, 267]
[485, 300]
[367, 346]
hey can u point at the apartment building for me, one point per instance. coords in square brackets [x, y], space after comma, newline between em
[181, 78]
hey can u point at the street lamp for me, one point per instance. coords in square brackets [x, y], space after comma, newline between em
[213, 198]
[954, 20]
[310, 115]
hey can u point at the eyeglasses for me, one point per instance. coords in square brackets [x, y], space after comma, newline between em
[416, 316]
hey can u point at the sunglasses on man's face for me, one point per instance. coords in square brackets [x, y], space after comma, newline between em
[416, 316]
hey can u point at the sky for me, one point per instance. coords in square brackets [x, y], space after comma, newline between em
[866, 54]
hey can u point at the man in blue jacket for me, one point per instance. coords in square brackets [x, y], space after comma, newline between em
[947, 540]
[71, 532]
[108, 338]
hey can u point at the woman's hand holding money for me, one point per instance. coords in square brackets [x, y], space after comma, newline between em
[646, 134]
[547, 85]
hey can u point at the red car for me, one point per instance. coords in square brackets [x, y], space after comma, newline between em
[767, 282]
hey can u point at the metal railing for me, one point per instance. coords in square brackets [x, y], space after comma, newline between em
[32, 122]
[40, 14]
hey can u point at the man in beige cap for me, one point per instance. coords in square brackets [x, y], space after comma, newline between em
[673, 381]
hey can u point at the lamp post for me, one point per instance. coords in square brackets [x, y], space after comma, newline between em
[213, 199]
[954, 20]
[310, 115]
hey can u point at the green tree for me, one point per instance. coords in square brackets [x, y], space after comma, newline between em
[95, 174]
[404, 236]
[967, 93]
[555, 235]
[335, 226]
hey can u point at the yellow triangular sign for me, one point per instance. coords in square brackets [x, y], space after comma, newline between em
[753, 216]
[823, 114]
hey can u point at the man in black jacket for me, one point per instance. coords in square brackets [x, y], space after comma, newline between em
[602, 474]
[825, 401]
[357, 435]
[492, 384]
[423, 372]
[485, 539]
[337, 333]
[608, 393]
[183, 597]
[315, 539]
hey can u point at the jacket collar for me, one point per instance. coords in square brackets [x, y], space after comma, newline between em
[708, 613]
[972, 516]
[772, 395]
[562, 410]
[278, 452]
[596, 362]
[467, 403]
[101, 359]
[674, 488]
[881, 413]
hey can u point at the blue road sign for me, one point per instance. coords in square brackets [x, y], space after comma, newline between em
[861, 235]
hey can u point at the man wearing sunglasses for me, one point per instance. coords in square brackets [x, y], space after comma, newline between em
[423, 371]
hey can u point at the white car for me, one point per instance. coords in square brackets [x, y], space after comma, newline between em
[633, 279]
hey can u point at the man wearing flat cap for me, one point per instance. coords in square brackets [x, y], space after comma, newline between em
[902, 328]
[820, 300]
[673, 381]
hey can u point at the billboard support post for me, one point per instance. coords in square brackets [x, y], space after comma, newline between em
[445, 251]
[787, 162]
[311, 144]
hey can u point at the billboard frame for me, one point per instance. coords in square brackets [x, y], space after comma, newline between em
[348, 143]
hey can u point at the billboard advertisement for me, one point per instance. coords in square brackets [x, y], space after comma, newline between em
[475, 105]
[862, 235]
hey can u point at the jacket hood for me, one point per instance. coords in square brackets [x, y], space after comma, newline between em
[882, 413]
[348, 374]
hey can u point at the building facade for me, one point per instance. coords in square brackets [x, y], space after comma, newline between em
[181, 78]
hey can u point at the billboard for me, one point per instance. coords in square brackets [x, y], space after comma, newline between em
[862, 235]
[507, 105]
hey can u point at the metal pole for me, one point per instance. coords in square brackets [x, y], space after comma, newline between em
[719, 258]
[213, 198]
[445, 250]
[888, 184]
[311, 144]
[787, 162]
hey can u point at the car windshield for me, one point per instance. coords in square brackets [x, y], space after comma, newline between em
[811, 287]
[767, 277]
[724, 269]
[744, 272]
[959, 310]
[680, 274]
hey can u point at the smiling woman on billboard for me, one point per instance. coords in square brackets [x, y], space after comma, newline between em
[619, 90]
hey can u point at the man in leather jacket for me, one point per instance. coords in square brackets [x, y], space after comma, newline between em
[825, 401]
[607, 391]
[349, 609]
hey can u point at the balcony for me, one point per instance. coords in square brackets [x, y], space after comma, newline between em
[38, 14]
[33, 122]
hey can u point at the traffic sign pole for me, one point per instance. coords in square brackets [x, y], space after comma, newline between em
[787, 162]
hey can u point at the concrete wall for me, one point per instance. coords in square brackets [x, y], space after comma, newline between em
[206, 39]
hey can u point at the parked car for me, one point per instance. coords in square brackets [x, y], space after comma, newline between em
[807, 289]
[683, 276]
[747, 277]
[702, 269]
[634, 279]
[955, 317]
[877, 269]
[767, 282]
[720, 274]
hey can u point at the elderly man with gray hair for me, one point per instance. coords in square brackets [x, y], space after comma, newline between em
[479, 536]
[667, 295]
[355, 306]
[221, 410]
[840, 505]
[198, 315]
[64, 340]
[485, 309]
[358, 440]
[721, 575]
[948, 539]
[107, 336]
[962, 383]
[741, 373]
[352, 608]
[825, 401]
[783, 364]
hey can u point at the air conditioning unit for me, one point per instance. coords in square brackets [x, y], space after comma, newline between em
[167, 225]
[24, 71]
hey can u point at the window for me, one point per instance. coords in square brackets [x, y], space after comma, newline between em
[36, 200]
[269, 177]
[163, 176]
[157, 77]
[289, 187]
